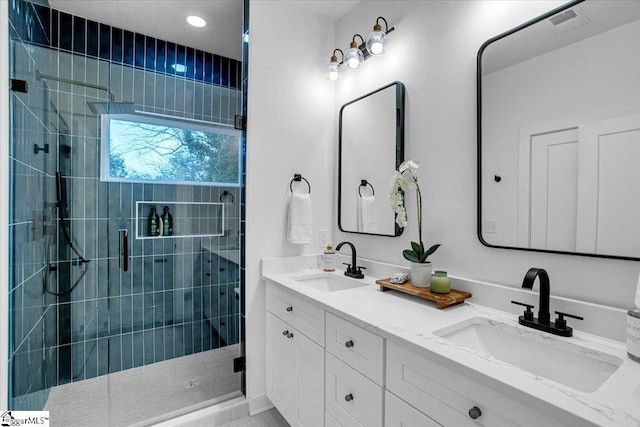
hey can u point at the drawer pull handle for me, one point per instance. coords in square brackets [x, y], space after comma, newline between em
[348, 397]
[290, 335]
[289, 309]
[475, 413]
[349, 344]
[285, 332]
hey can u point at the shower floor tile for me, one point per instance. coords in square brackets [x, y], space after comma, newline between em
[148, 393]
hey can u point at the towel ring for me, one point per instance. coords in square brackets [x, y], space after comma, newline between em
[364, 183]
[297, 177]
[224, 194]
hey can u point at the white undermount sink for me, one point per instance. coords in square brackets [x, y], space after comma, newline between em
[537, 352]
[329, 282]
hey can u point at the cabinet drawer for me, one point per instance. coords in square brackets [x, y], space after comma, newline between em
[448, 396]
[357, 347]
[350, 398]
[399, 414]
[302, 315]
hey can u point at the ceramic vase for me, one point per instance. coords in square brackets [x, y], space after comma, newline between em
[421, 274]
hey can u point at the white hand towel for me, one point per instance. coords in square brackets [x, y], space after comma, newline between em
[299, 229]
[368, 217]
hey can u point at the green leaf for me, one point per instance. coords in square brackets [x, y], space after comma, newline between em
[416, 248]
[431, 250]
[410, 255]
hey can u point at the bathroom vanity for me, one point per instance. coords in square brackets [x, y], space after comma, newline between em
[342, 353]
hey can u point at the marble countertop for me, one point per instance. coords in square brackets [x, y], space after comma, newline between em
[412, 322]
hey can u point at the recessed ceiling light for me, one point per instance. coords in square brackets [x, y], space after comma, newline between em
[180, 68]
[196, 21]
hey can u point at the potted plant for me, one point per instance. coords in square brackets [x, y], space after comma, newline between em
[402, 181]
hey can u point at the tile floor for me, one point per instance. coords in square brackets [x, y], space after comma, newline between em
[271, 418]
[148, 394]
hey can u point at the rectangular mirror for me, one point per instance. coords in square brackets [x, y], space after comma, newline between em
[371, 147]
[559, 133]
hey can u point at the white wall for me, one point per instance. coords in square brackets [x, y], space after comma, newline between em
[433, 51]
[291, 129]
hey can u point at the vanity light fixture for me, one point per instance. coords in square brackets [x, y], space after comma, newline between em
[196, 21]
[377, 39]
[354, 56]
[334, 66]
[375, 45]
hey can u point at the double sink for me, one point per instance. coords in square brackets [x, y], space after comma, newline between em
[538, 353]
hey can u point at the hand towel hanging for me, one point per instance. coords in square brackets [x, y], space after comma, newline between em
[299, 230]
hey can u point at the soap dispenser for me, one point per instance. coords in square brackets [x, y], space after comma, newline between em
[329, 259]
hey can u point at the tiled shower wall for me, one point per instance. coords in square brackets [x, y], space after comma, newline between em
[166, 305]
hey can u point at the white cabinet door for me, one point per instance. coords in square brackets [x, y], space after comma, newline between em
[280, 358]
[308, 382]
[295, 374]
[400, 414]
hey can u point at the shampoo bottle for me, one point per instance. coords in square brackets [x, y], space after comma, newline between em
[154, 222]
[167, 222]
[329, 259]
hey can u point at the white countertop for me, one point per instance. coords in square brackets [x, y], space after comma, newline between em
[411, 322]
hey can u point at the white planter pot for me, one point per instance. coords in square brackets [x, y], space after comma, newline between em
[421, 274]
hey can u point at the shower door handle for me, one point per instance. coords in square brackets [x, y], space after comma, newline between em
[123, 250]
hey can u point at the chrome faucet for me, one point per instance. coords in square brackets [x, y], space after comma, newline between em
[543, 322]
[352, 269]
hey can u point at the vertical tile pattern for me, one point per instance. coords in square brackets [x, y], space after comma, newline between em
[166, 305]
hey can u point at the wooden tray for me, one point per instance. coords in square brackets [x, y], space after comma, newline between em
[455, 297]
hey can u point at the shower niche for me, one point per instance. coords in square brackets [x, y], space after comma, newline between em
[186, 219]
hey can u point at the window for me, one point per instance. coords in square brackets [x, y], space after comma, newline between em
[143, 148]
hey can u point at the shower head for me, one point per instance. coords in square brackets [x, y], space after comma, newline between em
[99, 108]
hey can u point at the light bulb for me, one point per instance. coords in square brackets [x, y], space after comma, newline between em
[333, 69]
[196, 21]
[377, 41]
[354, 57]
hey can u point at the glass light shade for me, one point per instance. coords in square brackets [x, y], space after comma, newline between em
[377, 42]
[353, 58]
[333, 70]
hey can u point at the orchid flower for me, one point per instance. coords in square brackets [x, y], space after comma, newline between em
[402, 181]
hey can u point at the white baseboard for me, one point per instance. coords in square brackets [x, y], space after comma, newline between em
[259, 404]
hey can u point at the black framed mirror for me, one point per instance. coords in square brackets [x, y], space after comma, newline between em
[371, 147]
[559, 133]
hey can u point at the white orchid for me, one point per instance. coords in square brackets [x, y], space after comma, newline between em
[404, 180]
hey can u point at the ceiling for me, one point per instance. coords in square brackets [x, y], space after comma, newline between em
[165, 19]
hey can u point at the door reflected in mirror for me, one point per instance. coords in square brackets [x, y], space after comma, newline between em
[559, 132]
[371, 149]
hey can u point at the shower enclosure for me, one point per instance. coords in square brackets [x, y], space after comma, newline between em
[108, 126]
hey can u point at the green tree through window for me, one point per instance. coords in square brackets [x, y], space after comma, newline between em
[141, 148]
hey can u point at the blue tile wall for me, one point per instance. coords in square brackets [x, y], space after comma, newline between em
[164, 306]
[43, 26]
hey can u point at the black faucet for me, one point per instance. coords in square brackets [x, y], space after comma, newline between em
[545, 290]
[543, 322]
[352, 269]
